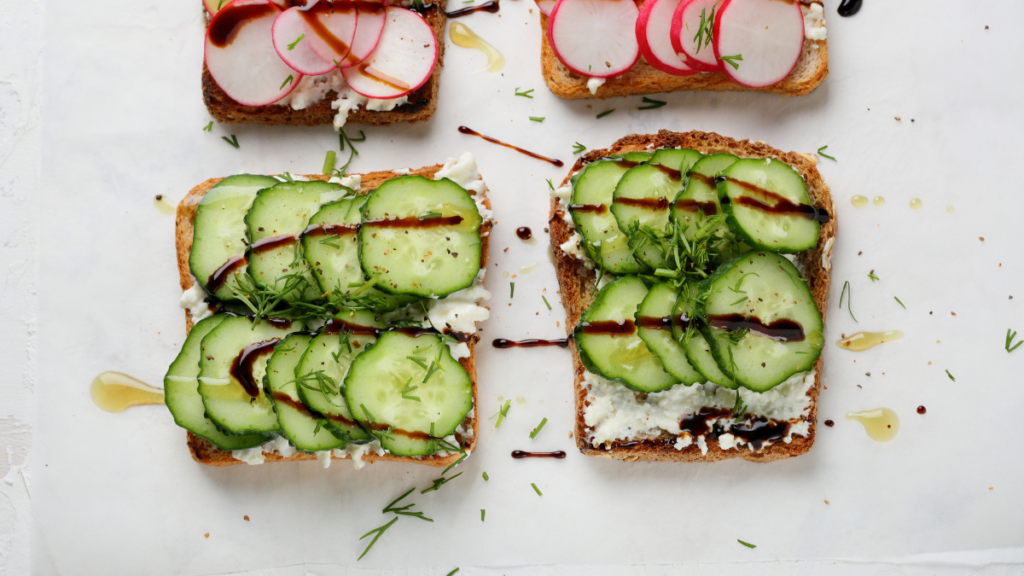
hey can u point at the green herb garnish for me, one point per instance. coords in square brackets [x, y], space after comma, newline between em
[408, 390]
[545, 301]
[747, 544]
[405, 510]
[456, 570]
[823, 155]
[208, 127]
[502, 413]
[849, 301]
[287, 81]
[900, 303]
[652, 104]
[950, 376]
[731, 60]
[537, 490]
[872, 277]
[296, 42]
[482, 514]
[233, 140]
[1009, 340]
[705, 29]
[379, 530]
[440, 482]
[430, 215]
[486, 477]
[538, 428]
[512, 290]
[578, 148]
[605, 113]
[551, 185]
[525, 93]
[739, 408]
[329, 163]
[537, 118]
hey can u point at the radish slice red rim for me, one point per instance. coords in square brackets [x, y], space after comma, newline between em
[369, 29]
[241, 57]
[653, 28]
[545, 6]
[292, 42]
[758, 41]
[402, 61]
[331, 27]
[692, 32]
[595, 38]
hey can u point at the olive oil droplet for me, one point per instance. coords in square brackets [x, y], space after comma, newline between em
[163, 205]
[916, 203]
[881, 424]
[949, 209]
[461, 35]
[116, 392]
[521, 400]
[866, 340]
[859, 201]
[879, 201]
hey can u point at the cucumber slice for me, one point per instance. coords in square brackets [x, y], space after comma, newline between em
[420, 237]
[654, 326]
[306, 430]
[642, 199]
[699, 199]
[607, 339]
[279, 215]
[397, 390]
[768, 205]
[633, 156]
[218, 233]
[686, 331]
[761, 320]
[181, 393]
[591, 213]
[323, 368]
[330, 246]
[231, 368]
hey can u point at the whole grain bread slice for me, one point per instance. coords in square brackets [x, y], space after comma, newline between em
[810, 71]
[420, 108]
[204, 451]
[577, 288]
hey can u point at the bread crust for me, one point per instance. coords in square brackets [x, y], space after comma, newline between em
[206, 452]
[810, 71]
[576, 287]
[421, 107]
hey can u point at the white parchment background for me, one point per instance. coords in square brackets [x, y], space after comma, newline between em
[89, 284]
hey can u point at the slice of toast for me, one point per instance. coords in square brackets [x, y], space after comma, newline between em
[577, 289]
[204, 451]
[420, 108]
[810, 71]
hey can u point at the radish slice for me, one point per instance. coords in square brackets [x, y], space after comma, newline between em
[241, 56]
[688, 40]
[546, 6]
[330, 28]
[595, 38]
[652, 33]
[212, 6]
[291, 40]
[371, 25]
[768, 36]
[401, 62]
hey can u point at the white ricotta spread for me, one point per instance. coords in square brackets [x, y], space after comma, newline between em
[460, 310]
[814, 22]
[403, 171]
[463, 171]
[594, 83]
[615, 413]
[324, 456]
[572, 247]
[257, 454]
[312, 89]
[357, 451]
[348, 100]
[194, 300]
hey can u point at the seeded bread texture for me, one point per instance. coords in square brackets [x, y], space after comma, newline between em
[577, 288]
[642, 78]
[204, 451]
[421, 106]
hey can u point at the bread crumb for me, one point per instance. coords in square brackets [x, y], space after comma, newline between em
[826, 501]
[246, 518]
[986, 27]
[929, 362]
[953, 313]
[570, 435]
[936, 341]
[867, 373]
[505, 250]
[990, 487]
[982, 238]
[897, 118]
[859, 253]
[207, 535]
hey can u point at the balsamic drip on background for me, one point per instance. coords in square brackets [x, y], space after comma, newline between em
[522, 454]
[849, 7]
[829, 423]
[782, 329]
[229, 22]
[471, 132]
[524, 233]
[532, 343]
[921, 409]
[489, 6]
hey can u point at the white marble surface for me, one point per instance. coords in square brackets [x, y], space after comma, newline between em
[108, 113]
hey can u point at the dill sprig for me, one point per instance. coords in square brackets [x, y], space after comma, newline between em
[849, 300]
[732, 60]
[578, 148]
[650, 104]
[705, 29]
[525, 93]
[233, 140]
[502, 413]
[538, 428]
[1009, 340]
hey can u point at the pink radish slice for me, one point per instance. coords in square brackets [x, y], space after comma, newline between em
[685, 33]
[371, 25]
[241, 56]
[595, 38]
[291, 40]
[769, 36]
[402, 61]
[546, 6]
[213, 5]
[652, 33]
[330, 28]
